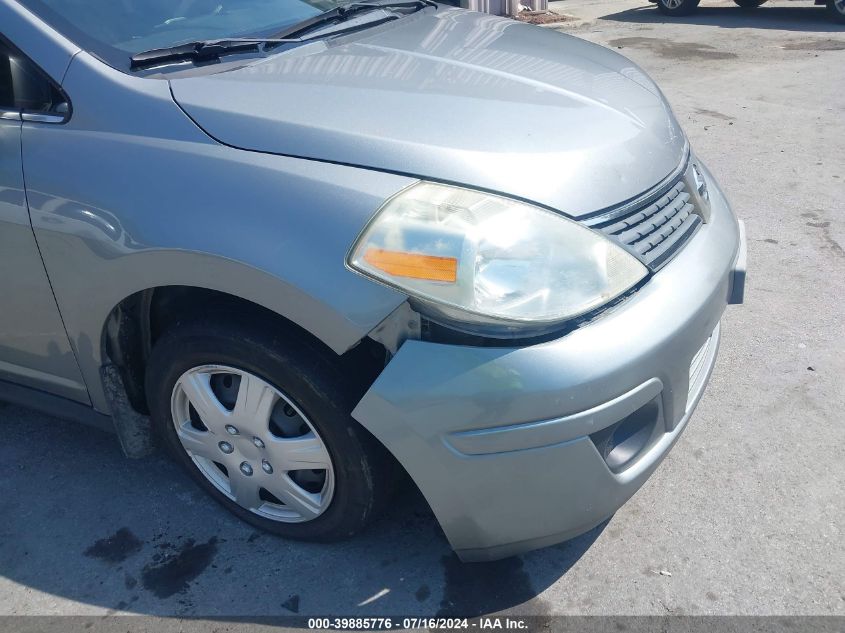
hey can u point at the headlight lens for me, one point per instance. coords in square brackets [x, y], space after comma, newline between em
[479, 257]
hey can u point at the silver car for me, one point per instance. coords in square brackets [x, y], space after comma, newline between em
[309, 247]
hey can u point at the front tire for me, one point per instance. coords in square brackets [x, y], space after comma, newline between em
[836, 10]
[676, 8]
[749, 4]
[263, 425]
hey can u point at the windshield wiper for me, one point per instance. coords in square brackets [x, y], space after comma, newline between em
[212, 50]
[345, 11]
[201, 51]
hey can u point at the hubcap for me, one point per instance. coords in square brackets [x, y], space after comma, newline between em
[840, 6]
[253, 443]
[672, 4]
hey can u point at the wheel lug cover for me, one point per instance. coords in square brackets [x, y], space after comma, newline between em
[231, 430]
[258, 442]
[266, 466]
[246, 469]
[226, 447]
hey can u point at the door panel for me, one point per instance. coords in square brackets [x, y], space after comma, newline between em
[34, 348]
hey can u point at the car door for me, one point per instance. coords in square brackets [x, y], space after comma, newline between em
[34, 347]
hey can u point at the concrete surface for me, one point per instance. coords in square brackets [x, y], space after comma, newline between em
[744, 517]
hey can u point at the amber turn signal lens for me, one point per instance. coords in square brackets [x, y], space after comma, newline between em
[415, 266]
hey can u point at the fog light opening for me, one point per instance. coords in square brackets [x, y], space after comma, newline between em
[622, 443]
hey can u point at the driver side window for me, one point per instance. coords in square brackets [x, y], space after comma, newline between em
[24, 87]
[7, 98]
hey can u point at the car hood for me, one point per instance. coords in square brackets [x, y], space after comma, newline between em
[455, 96]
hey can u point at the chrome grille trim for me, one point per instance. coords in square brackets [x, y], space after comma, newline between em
[658, 227]
[599, 217]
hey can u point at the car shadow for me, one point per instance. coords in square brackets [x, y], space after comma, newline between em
[806, 18]
[81, 523]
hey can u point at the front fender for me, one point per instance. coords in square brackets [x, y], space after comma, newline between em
[120, 204]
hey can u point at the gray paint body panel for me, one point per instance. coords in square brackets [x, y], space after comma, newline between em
[519, 437]
[441, 95]
[131, 195]
[43, 45]
[34, 349]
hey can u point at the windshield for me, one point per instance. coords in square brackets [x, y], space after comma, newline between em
[114, 30]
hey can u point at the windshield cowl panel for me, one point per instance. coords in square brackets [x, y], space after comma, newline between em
[116, 31]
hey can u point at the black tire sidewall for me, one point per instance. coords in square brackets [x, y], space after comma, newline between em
[686, 8]
[834, 13]
[305, 375]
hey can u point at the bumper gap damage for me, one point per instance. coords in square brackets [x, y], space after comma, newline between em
[549, 440]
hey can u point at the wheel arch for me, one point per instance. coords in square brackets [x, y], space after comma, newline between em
[113, 326]
[136, 323]
[134, 326]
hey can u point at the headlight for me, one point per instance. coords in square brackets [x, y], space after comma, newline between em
[480, 258]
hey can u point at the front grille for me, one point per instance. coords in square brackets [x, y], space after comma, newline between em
[657, 230]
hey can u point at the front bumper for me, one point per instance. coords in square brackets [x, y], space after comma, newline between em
[514, 447]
